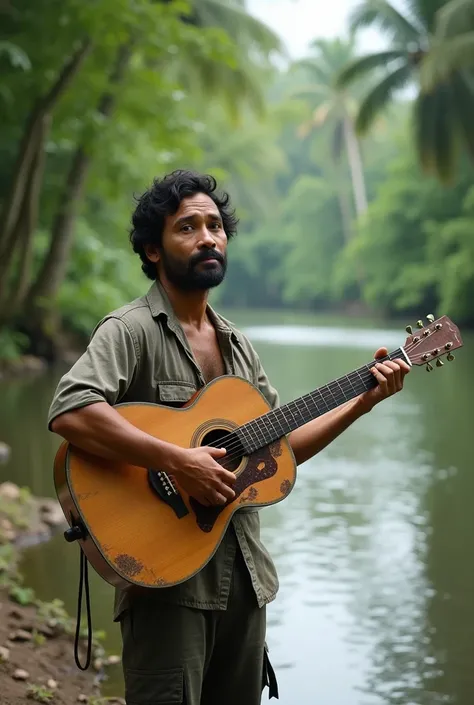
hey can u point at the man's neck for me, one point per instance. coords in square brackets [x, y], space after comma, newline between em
[189, 306]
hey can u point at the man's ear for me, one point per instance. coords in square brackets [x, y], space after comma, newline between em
[152, 252]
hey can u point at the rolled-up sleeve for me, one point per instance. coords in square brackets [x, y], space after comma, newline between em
[103, 373]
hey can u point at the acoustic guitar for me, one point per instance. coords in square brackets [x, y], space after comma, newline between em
[137, 526]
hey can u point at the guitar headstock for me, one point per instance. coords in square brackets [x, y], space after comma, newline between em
[431, 342]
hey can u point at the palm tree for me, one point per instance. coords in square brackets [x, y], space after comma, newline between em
[335, 107]
[442, 112]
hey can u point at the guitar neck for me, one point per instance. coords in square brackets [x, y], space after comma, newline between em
[279, 422]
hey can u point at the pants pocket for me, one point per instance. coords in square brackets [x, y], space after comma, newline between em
[268, 676]
[164, 687]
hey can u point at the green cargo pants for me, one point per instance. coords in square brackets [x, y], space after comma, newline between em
[174, 654]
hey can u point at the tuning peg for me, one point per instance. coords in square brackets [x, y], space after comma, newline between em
[419, 324]
[450, 357]
[430, 318]
[429, 367]
[439, 363]
[409, 329]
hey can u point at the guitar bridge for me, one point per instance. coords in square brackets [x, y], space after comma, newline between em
[164, 487]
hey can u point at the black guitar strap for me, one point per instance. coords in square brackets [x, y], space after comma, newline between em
[83, 583]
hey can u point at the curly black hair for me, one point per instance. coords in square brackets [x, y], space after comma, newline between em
[163, 199]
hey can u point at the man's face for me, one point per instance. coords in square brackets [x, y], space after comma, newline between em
[193, 253]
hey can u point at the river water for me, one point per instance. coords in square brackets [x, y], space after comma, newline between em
[373, 546]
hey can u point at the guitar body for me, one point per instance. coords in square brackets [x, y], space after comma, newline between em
[133, 536]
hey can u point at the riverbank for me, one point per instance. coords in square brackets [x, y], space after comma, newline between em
[36, 638]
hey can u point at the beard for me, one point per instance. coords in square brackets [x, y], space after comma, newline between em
[192, 275]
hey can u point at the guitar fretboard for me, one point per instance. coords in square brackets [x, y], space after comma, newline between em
[279, 422]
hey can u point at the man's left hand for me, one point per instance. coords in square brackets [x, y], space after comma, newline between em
[389, 375]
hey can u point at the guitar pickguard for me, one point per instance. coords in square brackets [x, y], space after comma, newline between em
[261, 465]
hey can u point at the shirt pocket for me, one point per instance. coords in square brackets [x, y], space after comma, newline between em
[175, 393]
[163, 687]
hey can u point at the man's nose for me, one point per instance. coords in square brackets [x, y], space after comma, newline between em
[207, 238]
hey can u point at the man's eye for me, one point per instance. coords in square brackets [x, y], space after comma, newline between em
[186, 228]
[216, 225]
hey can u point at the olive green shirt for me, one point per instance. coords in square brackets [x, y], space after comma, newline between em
[140, 353]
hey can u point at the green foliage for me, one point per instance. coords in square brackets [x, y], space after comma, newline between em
[21, 595]
[12, 344]
[195, 78]
[39, 693]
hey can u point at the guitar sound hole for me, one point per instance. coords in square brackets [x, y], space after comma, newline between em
[222, 438]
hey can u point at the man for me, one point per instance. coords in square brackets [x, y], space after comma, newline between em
[201, 642]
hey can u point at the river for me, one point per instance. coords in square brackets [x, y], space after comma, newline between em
[376, 604]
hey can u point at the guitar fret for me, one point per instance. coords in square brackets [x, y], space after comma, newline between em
[279, 422]
[342, 390]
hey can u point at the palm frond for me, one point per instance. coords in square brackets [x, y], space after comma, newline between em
[454, 18]
[379, 97]
[446, 57]
[365, 64]
[315, 69]
[243, 28]
[425, 12]
[435, 132]
[382, 15]
[463, 97]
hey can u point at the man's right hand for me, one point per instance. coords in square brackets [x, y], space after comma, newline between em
[200, 475]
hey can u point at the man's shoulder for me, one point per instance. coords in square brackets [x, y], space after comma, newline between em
[135, 315]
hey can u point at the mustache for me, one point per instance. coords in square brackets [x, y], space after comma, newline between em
[206, 254]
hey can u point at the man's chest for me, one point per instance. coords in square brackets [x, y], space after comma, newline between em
[207, 353]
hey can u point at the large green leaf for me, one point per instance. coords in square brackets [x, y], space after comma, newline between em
[381, 95]
[455, 18]
[384, 16]
[435, 132]
[445, 57]
[360, 67]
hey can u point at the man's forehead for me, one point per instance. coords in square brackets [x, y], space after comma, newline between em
[197, 203]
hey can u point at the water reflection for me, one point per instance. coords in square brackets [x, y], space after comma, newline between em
[372, 547]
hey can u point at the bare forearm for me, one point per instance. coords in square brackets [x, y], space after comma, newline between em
[310, 439]
[101, 430]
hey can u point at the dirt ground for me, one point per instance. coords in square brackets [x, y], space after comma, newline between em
[37, 662]
[37, 639]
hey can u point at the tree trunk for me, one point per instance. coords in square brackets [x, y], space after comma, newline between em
[28, 217]
[54, 267]
[344, 207]
[356, 167]
[21, 206]
[30, 145]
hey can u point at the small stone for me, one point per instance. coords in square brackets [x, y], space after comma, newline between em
[113, 660]
[20, 675]
[9, 490]
[51, 683]
[15, 613]
[98, 664]
[46, 631]
[21, 635]
[6, 524]
[51, 513]
[4, 653]
[82, 698]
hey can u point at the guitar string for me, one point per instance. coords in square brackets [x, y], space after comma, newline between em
[366, 376]
[236, 446]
